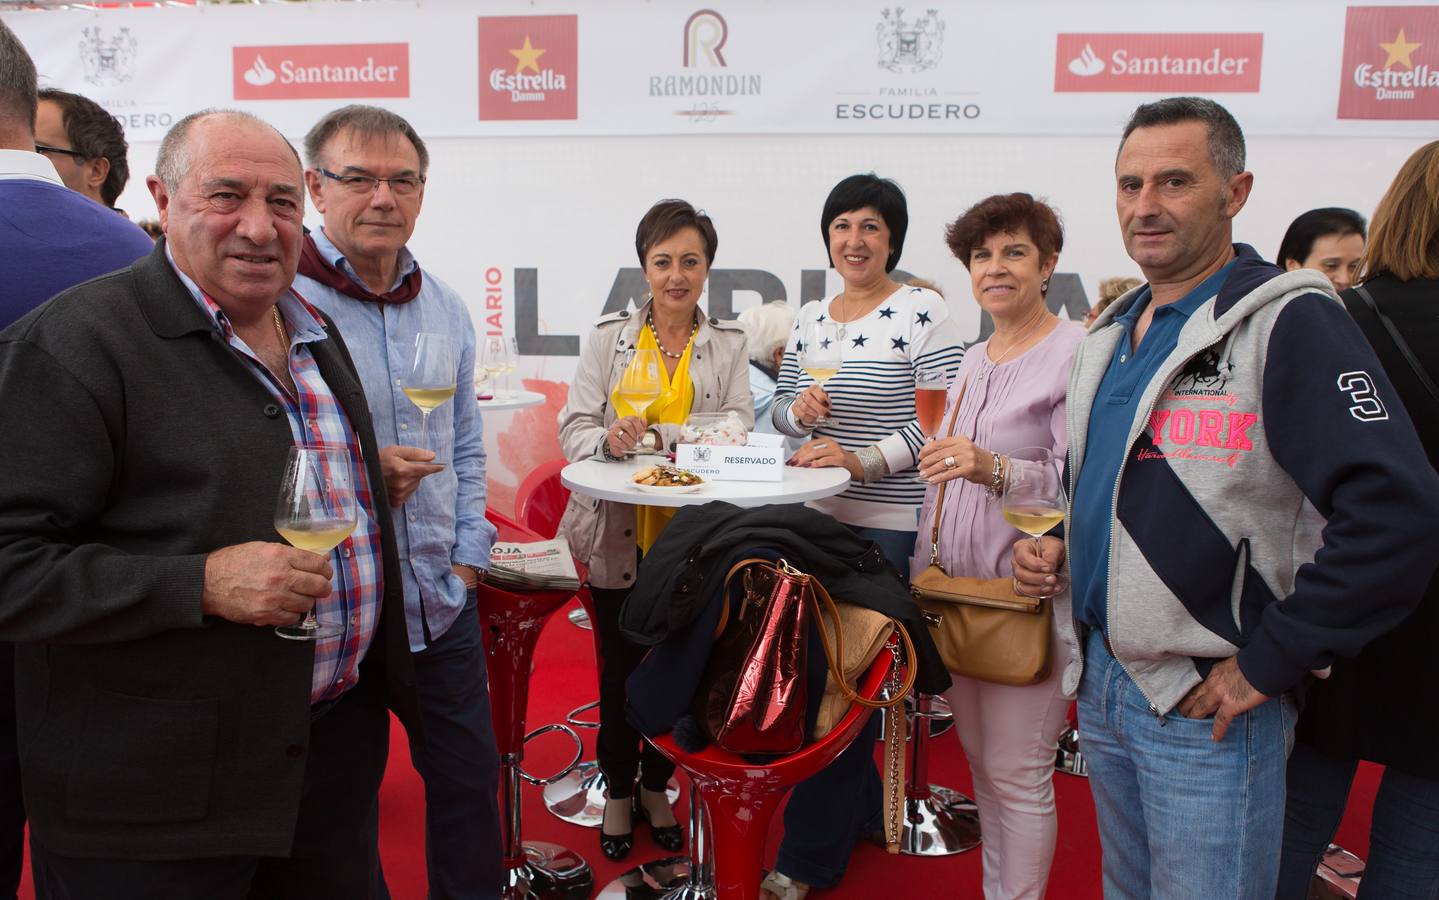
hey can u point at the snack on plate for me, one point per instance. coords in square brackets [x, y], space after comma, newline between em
[666, 476]
[724, 429]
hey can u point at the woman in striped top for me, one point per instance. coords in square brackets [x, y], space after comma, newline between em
[886, 333]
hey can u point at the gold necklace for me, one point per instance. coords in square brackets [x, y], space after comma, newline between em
[1039, 317]
[280, 329]
[694, 327]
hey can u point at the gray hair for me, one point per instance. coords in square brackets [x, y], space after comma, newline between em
[365, 122]
[18, 83]
[766, 328]
[1226, 140]
[173, 162]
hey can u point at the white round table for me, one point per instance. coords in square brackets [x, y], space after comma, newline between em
[611, 481]
[512, 400]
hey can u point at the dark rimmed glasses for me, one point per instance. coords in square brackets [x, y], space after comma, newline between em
[47, 149]
[401, 186]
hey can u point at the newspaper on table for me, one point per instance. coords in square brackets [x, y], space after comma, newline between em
[542, 565]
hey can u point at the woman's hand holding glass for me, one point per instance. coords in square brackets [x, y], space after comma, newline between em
[811, 406]
[948, 458]
[625, 435]
[1037, 566]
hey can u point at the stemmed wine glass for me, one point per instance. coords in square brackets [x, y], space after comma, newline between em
[820, 356]
[1033, 491]
[640, 384]
[431, 379]
[498, 357]
[929, 395]
[315, 512]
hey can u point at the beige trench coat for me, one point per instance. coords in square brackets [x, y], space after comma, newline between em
[602, 533]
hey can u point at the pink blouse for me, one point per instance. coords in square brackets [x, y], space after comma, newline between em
[1019, 403]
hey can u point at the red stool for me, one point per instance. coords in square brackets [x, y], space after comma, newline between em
[511, 624]
[579, 796]
[738, 800]
[539, 504]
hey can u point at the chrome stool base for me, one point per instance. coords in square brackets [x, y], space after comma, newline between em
[580, 619]
[550, 872]
[666, 878]
[579, 797]
[941, 719]
[1338, 875]
[1068, 759]
[943, 824]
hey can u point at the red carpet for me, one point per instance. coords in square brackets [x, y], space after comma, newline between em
[564, 677]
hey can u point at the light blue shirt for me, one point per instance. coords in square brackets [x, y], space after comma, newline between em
[444, 521]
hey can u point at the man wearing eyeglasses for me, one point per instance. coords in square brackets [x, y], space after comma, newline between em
[366, 176]
[85, 143]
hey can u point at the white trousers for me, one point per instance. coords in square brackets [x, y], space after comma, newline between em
[1010, 735]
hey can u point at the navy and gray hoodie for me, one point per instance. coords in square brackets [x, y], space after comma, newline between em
[1274, 502]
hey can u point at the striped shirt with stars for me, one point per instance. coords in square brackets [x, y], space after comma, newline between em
[872, 397]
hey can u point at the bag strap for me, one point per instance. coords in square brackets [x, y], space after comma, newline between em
[823, 602]
[1399, 342]
[729, 576]
[939, 502]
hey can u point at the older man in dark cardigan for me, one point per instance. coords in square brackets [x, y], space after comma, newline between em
[171, 744]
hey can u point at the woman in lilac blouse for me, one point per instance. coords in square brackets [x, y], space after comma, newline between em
[1013, 396]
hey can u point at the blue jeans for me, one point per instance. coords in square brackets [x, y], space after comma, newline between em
[1181, 816]
[459, 763]
[1403, 858]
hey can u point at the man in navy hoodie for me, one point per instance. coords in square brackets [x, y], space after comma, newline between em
[50, 238]
[1248, 501]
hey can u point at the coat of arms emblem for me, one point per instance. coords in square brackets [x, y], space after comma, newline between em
[108, 61]
[909, 47]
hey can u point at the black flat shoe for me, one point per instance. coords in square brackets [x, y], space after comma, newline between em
[668, 837]
[616, 847]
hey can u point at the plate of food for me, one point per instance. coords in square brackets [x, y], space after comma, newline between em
[666, 480]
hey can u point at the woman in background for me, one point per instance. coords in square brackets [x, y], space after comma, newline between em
[1383, 705]
[704, 370]
[1328, 240]
[1010, 390]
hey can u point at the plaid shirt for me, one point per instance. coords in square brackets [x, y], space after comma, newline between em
[317, 418]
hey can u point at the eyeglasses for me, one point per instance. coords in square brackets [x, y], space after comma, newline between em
[47, 149]
[403, 186]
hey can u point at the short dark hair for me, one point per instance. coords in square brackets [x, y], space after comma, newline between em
[366, 122]
[1005, 213]
[666, 218]
[17, 83]
[1299, 239]
[883, 195]
[1226, 140]
[95, 133]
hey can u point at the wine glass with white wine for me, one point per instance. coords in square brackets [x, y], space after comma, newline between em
[431, 379]
[1033, 491]
[820, 356]
[640, 383]
[316, 510]
[498, 358]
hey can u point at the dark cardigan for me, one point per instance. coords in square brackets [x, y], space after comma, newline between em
[1383, 705]
[134, 442]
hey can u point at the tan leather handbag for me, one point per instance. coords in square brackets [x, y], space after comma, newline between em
[983, 629]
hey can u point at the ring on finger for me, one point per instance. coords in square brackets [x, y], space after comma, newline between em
[949, 462]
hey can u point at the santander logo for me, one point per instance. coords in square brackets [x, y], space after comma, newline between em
[1087, 63]
[321, 71]
[259, 74]
[1158, 63]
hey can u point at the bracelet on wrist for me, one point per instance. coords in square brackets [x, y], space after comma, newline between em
[996, 476]
[872, 462]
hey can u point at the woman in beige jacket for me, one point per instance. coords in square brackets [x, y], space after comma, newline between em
[707, 370]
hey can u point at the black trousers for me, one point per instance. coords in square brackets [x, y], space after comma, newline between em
[12, 803]
[334, 854]
[623, 753]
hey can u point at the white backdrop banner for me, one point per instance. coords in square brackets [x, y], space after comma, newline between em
[515, 67]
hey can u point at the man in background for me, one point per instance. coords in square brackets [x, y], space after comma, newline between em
[85, 143]
[367, 178]
[50, 239]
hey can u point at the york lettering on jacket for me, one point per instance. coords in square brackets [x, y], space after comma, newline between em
[1202, 428]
